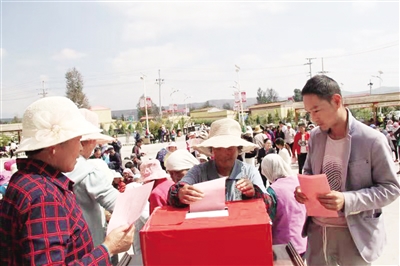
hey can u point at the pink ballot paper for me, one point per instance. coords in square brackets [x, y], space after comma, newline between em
[311, 186]
[129, 205]
[214, 196]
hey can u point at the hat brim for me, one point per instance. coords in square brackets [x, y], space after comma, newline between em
[258, 131]
[80, 129]
[98, 137]
[223, 141]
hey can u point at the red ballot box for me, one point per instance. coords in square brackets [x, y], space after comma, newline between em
[244, 237]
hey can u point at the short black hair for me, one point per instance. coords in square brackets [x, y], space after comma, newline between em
[322, 86]
[129, 165]
[280, 141]
[301, 124]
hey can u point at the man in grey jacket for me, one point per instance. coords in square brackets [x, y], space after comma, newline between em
[360, 171]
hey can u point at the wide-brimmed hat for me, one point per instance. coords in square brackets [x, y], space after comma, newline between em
[93, 118]
[224, 133]
[151, 170]
[257, 129]
[51, 121]
[180, 160]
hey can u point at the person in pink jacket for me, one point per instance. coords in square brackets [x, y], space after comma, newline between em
[290, 215]
[151, 171]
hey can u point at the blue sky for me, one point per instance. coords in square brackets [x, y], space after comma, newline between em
[195, 45]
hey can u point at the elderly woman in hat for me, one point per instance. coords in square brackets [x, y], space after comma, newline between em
[179, 163]
[224, 144]
[41, 222]
[92, 181]
[151, 170]
[289, 216]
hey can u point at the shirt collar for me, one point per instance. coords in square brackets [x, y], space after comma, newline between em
[33, 166]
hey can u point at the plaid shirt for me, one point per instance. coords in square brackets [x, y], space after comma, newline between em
[41, 223]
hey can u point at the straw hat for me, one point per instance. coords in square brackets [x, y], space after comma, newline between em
[224, 133]
[151, 170]
[93, 118]
[180, 160]
[257, 129]
[51, 121]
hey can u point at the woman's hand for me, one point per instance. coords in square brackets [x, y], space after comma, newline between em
[246, 187]
[189, 194]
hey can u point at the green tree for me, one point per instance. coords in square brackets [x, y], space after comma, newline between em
[111, 130]
[290, 115]
[297, 95]
[261, 96]
[151, 111]
[207, 105]
[272, 95]
[74, 88]
[270, 119]
[226, 106]
[15, 120]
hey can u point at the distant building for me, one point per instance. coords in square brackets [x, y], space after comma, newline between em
[104, 114]
[271, 108]
[211, 114]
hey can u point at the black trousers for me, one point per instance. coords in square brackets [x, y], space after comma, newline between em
[301, 158]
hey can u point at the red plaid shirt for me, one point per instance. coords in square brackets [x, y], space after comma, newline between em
[41, 223]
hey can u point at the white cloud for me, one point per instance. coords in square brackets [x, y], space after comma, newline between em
[362, 6]
[158, 19]
[67, 54]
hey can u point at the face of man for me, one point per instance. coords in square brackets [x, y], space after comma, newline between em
[322, 112]
[225, 157]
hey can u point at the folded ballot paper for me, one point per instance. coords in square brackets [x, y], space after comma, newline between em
[129, 205]
[311, 186]
[213, 202]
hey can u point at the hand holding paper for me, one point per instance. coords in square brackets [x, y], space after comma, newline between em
[129, 205]
[214, 196]
[312, 186]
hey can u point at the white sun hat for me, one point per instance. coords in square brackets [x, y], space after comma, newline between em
[224, 133]
[93, 118]
[180, 160]
[51, 121]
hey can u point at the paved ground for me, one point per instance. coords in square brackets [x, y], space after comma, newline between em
[391, 252]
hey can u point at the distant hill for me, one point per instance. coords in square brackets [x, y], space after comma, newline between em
[250, 101]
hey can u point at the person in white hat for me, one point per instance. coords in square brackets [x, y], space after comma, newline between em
[151, 170]
[171, 147]
[92, 186]
[224, 144]
[41, 222]
[179, 163]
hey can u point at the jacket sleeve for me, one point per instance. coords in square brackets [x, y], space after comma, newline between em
[101, 190]
[382, 173]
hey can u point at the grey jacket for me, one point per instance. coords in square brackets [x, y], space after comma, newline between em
[371, 183]
[93, 190]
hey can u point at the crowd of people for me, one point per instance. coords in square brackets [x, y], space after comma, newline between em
[60, 198]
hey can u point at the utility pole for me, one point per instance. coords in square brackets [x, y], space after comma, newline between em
[370, 87]
[309, 63]
[237, 68]
[143, 77]
[159, 81]
[322, 72]
[43, 93]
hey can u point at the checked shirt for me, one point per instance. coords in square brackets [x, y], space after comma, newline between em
[41, 223]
